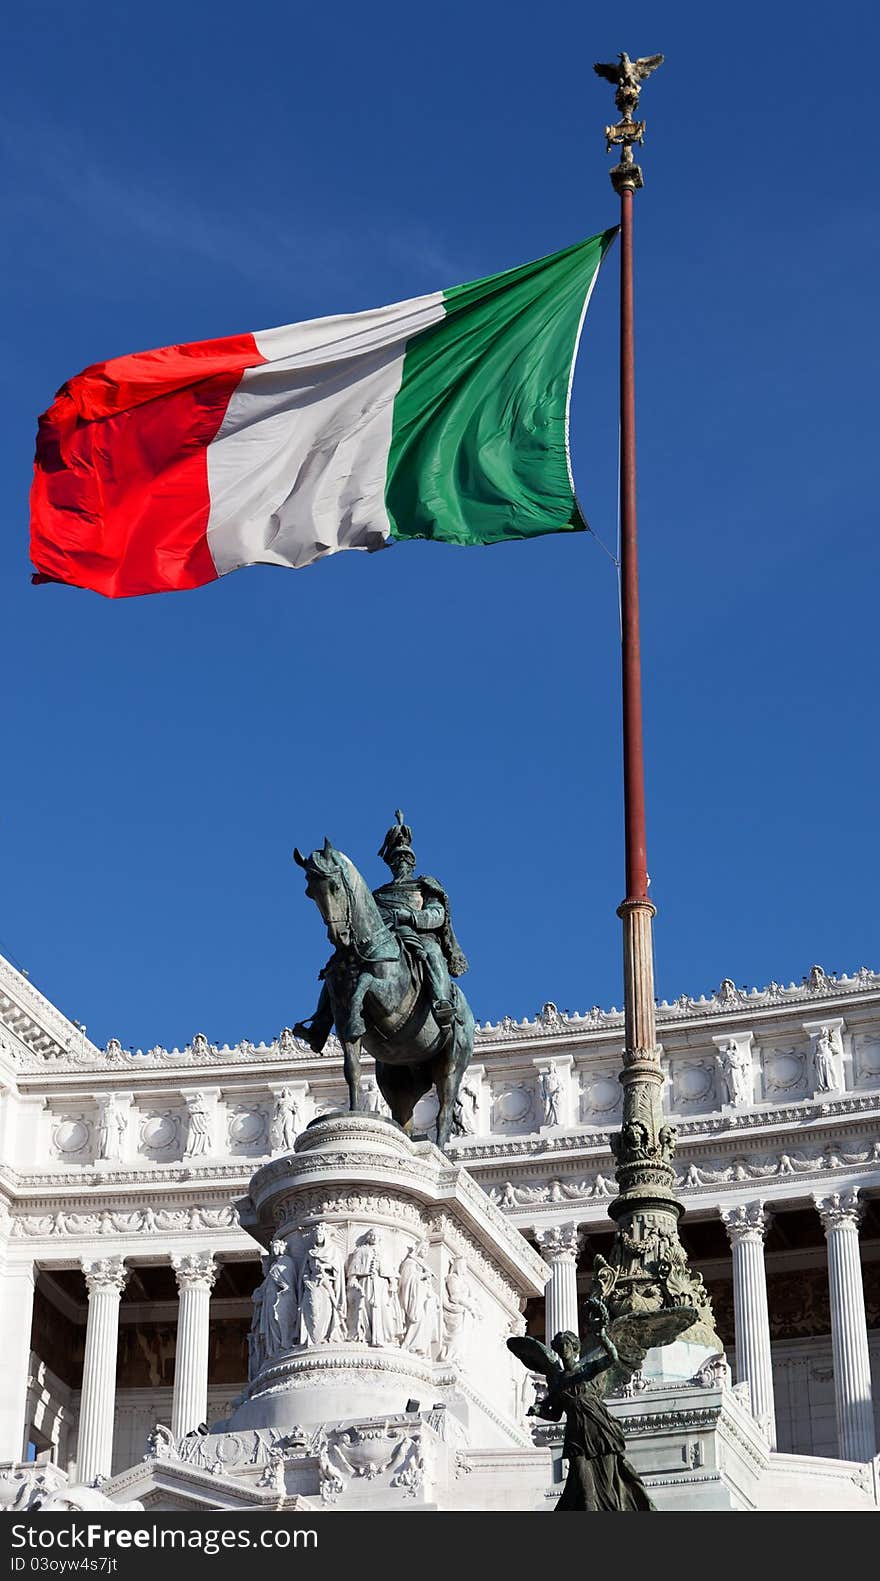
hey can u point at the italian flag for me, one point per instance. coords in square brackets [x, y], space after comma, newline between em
[444, 417]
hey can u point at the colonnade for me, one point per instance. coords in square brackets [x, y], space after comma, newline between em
[746, 1224]
[106, 1279]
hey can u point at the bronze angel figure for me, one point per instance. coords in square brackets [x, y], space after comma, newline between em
[599, 1475]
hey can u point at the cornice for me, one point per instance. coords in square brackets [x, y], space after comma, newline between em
[38, 1028]
[41, 1035]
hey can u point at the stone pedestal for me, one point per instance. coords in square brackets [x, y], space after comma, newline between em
[696, 1447]
[391, 1285]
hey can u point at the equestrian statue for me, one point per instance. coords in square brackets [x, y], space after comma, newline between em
[389, 985]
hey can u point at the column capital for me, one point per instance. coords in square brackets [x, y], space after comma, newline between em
[104, 1274]
[840, 1210]
[195, 1270]
[559, 1242]
[747, 1221]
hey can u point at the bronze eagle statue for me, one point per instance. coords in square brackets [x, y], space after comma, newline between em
[626, 72]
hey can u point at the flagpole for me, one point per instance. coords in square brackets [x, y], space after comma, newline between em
[647, 1272]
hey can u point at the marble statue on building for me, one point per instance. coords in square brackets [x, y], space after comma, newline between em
[322, 1290]
[371, 1099]
[111, 1128]
[459, 1306]
[551, 1095]
[286, 1121]
[825, 1058]
[373, 1311]
[464, 1110]
[736, 1069]
[280, 1315]
[198, 1127]
[599, 1475]
[418, 1302]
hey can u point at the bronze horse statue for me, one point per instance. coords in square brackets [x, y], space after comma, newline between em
[377, 996]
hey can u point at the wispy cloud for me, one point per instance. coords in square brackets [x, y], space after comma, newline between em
[56, 181]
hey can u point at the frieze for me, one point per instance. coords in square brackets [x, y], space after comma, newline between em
[336, 1360]
[692, 1176]
[697, 1421]
[138, 1221]
[306, 1205]
[556, 1191]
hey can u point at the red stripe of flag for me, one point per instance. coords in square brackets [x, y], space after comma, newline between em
[120, 500]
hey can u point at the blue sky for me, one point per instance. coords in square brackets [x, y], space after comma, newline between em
[197, 170]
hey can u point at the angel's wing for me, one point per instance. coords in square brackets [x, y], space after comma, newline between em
[635, 1333]
[646, 64]
[534, 1355]
[610, 71]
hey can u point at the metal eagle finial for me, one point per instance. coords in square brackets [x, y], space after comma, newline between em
[628, 77]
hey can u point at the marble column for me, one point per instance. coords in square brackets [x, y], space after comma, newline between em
[840, 1214]
[195, 1273]
[16, 1316]
[746, 1225]
[558, 1244]
[106, 1278]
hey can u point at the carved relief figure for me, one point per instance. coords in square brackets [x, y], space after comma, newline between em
[285, 1121]
[373, 1310]
[825, 1057]
[322, 1290]
[551, 1095]
[736, 1068]
[458, 1305]
[111, 1128]
[418, 1301]
[255, 1340]
[279, 1325]
[198, 1127]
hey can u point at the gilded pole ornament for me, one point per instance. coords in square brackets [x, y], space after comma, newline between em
[627, 76]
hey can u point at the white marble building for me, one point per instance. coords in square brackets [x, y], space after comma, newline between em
[127, 1277]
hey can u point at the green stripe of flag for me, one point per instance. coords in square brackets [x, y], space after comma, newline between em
[479, 443]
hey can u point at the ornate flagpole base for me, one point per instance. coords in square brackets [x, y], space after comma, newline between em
[652, 1296]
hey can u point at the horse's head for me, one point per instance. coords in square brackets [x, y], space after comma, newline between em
[332, 882]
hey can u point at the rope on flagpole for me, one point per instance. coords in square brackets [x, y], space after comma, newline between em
[614, 558]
